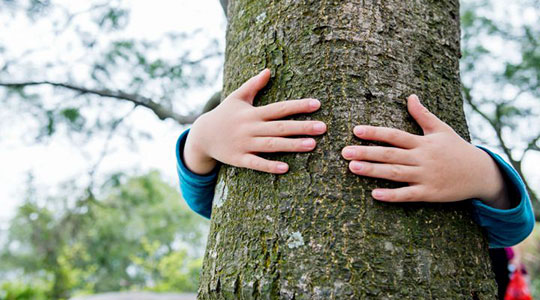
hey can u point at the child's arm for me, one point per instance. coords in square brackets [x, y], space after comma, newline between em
[234, 132]
[442, 167]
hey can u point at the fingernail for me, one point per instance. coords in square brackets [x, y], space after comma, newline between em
[348, 152]
[282, 167]
[319, 127]
[377, 194]
[313, 103]
[359, 130]
[356, 165]
[415, 97]
[308, 143]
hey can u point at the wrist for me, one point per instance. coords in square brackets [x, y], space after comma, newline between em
[195, 156]
[492, 189]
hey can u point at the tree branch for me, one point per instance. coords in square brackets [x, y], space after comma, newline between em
[105, 150]
[532, 145]
[224, 4]
[159, 110]
[71, 16]
[214, 101]
[497, 128]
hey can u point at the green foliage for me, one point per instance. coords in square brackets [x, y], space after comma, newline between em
[525, 74]
[73, 117]
[113, 19]
[137, 235]
[32, 8]
[23, 291]
[482, 65]
[169, 271]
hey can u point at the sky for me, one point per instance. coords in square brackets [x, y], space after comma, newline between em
[58, 161]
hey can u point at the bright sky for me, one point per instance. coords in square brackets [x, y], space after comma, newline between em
[58, 161]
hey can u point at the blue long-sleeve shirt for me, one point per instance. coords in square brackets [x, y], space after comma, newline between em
[505, 227]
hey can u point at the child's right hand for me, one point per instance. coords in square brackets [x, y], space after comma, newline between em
[235, 131]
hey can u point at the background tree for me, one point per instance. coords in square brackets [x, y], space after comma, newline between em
[135, 235]
[117, 68]
[501, 90]
[106, 233]
[500, 72]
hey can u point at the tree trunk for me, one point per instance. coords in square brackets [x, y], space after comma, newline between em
[316, 233]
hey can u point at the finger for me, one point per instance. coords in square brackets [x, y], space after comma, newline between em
[280, 144]
[391, 136]
[411, 193]
[379, 154]
[257, 163]
[250, 88]
[392, 172]
[283, 109]
[428, 121]
[287, 128]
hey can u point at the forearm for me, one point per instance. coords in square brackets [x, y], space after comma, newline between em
[492, 188]
[197, 190]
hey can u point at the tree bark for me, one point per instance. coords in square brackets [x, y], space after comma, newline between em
[316, 233]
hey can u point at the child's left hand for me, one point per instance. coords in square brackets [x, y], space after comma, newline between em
[439, 166]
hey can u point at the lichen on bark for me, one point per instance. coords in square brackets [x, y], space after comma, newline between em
[316, 233]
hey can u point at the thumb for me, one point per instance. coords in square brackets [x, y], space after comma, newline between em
[428, 121]
[250, 88]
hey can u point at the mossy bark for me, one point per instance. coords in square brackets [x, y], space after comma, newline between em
[316, 233]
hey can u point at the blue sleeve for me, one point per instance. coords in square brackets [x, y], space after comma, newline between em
[197, 190]
[506, 227]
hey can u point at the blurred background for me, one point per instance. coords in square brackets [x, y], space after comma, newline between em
[94, 94]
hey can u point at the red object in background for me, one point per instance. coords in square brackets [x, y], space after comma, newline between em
[518, 288]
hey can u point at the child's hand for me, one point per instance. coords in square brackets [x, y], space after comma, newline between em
[439, 166]
[235, 131]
